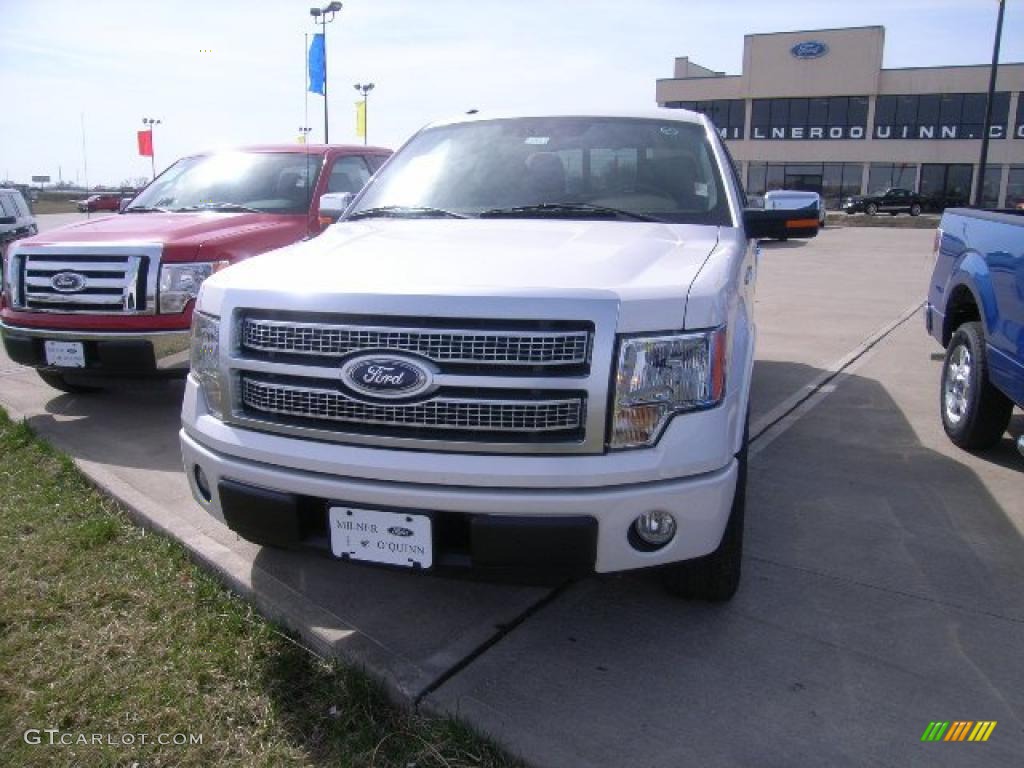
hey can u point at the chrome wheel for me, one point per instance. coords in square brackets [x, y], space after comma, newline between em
[957, 386]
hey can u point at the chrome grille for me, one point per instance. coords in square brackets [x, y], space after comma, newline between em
[105, 283]
[442, 413]
[529, 348]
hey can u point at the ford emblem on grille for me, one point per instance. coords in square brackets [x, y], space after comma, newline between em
[397, 530]
[68, 282]
[387, 377]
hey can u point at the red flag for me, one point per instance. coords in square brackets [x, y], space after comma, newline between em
[146, 143]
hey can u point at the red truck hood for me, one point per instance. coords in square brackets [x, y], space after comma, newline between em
[183, 232]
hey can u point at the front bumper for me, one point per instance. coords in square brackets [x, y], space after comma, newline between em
[113, 353]
[549, 526]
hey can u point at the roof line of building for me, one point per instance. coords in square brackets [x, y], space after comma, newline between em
[809, 31]
[955, 66]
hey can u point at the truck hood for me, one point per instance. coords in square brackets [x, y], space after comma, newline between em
[647, 267]
[185, 231]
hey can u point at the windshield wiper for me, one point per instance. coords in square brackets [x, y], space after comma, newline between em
[218, 207]
[562, 209]
[403, 211]
[145, 209]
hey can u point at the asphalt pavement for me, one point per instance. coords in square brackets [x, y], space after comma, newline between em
[883, 572]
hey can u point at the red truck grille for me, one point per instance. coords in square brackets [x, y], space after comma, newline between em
[83, 283]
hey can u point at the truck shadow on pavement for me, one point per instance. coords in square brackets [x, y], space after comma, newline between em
[129, 428]
[882, 590]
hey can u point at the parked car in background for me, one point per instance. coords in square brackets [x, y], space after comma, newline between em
[795, 200]
[16, 219]
[892, 201]
[102, 202]
[975, 309]
[113, 297]
[513, 353]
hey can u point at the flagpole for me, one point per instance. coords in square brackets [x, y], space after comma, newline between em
[305, 84]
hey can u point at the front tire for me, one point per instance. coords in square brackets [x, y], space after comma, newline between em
[716, 576]
[57, 381]
[871, 209]
[915, 210]
[974, 413]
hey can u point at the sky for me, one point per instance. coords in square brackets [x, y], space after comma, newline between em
[222, 73]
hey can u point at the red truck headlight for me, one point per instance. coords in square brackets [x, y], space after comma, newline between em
[179, 283]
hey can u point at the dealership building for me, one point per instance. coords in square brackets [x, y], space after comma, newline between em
[815, 110]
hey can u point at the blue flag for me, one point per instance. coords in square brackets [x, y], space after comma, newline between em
[317, 65]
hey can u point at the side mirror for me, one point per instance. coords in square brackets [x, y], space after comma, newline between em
[8, 220]
[123, 203]
[333, 206]
[761, 224]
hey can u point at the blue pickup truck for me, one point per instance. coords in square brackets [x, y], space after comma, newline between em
[975, 309]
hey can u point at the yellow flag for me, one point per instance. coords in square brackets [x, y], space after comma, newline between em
[361, 119]
[302, 138]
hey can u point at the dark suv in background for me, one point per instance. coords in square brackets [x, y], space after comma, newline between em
[891, 201]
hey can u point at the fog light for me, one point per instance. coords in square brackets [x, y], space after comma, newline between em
[654, 529]
[202, 483]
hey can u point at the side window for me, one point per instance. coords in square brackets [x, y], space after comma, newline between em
[7, 206]
[375, 162]
[349, 174]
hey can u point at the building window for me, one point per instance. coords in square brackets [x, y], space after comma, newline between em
[946, 185]
[833, 181]
[1018, 131]
[883, 176]
[1015, 186]
[939, 116]
[728, 115]
[835, 117]
[990, 190]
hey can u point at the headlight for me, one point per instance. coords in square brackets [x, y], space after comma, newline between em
[179, 283]
[205, 359]
[660, 376]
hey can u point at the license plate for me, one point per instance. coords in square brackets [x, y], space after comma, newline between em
[65, 354]
[394, 538]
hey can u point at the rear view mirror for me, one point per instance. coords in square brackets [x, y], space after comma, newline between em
[333, 205]
[780, 224]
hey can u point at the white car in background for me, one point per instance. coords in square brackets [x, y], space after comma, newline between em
[16, 219]
[791, 200]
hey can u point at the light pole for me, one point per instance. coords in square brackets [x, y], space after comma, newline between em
[321, 14]
[152, 137]
[979, 193]
[365, 88]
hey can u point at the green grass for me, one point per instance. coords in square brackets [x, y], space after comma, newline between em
[108, 629]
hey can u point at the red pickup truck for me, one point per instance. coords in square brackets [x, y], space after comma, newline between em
[112, 297]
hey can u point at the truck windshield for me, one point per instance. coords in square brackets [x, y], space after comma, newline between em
[265, 182]
[553, 167]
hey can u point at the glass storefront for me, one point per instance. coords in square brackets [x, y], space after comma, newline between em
[939, 116]
[883, 176]
[1015, 186]
[728, 115]
[835, 117]
[993, 180]
[946, 184]
[833, 181]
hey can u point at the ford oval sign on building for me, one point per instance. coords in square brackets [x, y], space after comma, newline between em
[388, 378]
[809, 49]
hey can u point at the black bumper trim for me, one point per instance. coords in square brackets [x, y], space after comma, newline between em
[510, 546]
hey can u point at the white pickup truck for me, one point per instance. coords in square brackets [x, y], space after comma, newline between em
[526, 347]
